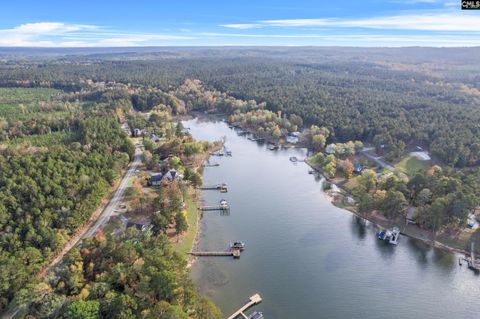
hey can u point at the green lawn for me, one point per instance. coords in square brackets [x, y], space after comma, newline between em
[410, 165]
[187, 239]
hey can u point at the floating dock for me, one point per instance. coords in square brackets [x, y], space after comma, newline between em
[254, 300]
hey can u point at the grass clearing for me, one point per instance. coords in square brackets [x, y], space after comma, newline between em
[187, 239]
[410, 165]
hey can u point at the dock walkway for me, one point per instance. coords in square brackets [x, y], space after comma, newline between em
[235, 253]
[215, 207]
[254, 300]
[220, 187]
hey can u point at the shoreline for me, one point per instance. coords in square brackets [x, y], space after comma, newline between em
[196, 195]
[378, 222]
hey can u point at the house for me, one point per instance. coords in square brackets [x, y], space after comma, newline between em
[171, 175]
[155, 179]
[358, 168]
[472, 222]
[139, 225]
[292, 139]
[330, 149]
[137, 132]
[154, 137]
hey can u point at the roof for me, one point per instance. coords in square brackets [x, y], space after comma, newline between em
[156, 177]
[330, 148]
[140, 225]
[170, 175]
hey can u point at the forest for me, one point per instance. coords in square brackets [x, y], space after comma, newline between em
[391, 97]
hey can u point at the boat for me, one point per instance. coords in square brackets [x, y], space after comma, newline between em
[237, 245]
[272, 147]
[293, 159]
[228, 153]
[223, 203]
[391, 236]
[257, 315]
[311, 171]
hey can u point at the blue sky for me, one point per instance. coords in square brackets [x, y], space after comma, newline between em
[101, 23]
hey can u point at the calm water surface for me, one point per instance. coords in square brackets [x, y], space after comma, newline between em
[307, 258]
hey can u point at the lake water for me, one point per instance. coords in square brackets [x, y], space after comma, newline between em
[307, 258]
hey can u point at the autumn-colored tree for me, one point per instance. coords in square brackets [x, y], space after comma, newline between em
[348, 168]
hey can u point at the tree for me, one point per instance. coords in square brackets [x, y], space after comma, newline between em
[424, 197]
[329, 169]
[318, 142]
[192, 176]
[348, 168]
[393, 204]
[160, 223]
[368, 179]
[83, 309]
[181, 223]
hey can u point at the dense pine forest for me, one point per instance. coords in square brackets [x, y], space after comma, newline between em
[390, 97]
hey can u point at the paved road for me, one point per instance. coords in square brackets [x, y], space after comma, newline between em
[117, 198]
[377, 159]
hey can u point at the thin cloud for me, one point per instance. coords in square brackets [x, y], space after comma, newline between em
[58, 34]
[241, 25]
[421, 22]
[446, 21]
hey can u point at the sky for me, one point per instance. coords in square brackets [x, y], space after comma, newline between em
[106, 23]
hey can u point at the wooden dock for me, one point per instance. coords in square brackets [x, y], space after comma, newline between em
[214, 207]
[254, 300]
[235, 253]
[220, 187]
[211, 165]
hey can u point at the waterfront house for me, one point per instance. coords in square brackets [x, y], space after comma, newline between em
[137, 132]
[155, 179]
[171, 175]
[293, 137]
[330, 149]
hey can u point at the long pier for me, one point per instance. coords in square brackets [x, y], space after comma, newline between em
[211, 165]
[220, 187]
[254, 300]
[235, 253]
[215, 207]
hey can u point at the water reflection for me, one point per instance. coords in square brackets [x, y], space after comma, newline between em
[359, 227]
[419, 250]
